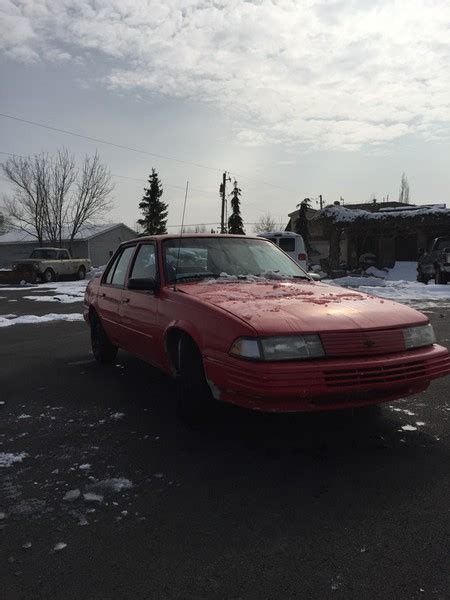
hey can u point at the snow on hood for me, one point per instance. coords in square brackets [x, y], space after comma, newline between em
[277, 307]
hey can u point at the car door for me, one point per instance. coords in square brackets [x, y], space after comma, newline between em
[110, 293]
[63, 265]
[138, 309]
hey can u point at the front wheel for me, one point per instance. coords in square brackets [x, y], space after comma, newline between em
[104, 351]
[421, 277]
[194, 399]
[440, 278]
[49, 276]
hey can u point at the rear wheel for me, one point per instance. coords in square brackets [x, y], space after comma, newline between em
[81, 273]
[49, 275]
[104, 351]
[194, 398]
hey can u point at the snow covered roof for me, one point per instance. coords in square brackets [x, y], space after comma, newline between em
[87, 232]
[341, 214]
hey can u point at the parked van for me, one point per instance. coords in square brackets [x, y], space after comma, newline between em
[291, 243]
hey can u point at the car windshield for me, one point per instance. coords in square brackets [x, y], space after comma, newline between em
[44, 253]
[443, 244]
[203, 257]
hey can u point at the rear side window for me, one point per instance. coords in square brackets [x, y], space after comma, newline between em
[118, 271]
[287, 244]
[145, 263]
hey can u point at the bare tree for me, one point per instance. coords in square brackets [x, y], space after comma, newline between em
[404, 190]
[61, 177]
[92, 198]
[52, 196]
[26, 207]
[268, 223]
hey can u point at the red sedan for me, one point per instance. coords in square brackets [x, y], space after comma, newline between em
[235, 319]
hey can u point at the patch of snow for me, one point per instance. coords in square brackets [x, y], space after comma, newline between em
[27, 545]
[33, 319]
[118, 415]
[85, 466]
[409, 428]
[7, 459]
[61, 298]
[420, 423]
[115, 484]
[24, 416]
[91, 497]
[72, 495]
[59, 546]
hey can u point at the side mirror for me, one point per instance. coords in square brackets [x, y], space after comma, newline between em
[314, 276]
[148, 284]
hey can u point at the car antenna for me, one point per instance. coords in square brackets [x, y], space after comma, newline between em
[181, 235]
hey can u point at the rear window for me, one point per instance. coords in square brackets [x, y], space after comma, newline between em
[116, 275]
[287, 244]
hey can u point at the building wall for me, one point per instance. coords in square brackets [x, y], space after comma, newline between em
[98, 249]
[11, 252]
[104, 245]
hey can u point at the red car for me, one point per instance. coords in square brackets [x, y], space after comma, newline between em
[235, 319]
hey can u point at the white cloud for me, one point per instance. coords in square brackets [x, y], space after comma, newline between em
[329, 73]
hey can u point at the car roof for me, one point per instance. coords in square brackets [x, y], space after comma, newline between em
[47, 248]
[268, 234]
[168, 236]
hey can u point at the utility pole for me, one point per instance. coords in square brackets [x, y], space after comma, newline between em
[222, 190]
[321, 202]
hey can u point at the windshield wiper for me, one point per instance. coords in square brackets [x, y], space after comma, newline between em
[201, 275]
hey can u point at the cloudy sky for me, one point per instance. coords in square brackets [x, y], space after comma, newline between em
[294, 98]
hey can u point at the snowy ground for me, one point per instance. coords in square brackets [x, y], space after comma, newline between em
[398, 283]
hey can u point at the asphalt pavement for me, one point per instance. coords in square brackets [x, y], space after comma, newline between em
[106, 494]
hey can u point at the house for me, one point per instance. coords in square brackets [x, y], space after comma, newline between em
[97, 242]
[392, 231]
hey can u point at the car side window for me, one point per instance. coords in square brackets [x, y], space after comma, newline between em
[62, 255]
[145, 263]
[116, 275]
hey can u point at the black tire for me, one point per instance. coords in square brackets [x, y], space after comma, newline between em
[421, 277]
[195, 402]
[81, 273]
[440, 277]
[49, 275]
[104, 351]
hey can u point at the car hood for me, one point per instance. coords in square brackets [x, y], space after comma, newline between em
[282, 307]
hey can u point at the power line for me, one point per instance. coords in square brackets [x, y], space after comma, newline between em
[140, 151]
[208, 192]
[108, 143]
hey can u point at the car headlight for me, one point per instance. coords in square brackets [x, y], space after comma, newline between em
[416, 337]
[293, 347]
[36, 266]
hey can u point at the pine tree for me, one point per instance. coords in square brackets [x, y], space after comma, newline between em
[301, 224]
[235, 223]
[153, 209]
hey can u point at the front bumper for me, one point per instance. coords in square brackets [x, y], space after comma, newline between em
[327, 383]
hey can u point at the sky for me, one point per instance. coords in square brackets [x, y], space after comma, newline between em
[291, 98]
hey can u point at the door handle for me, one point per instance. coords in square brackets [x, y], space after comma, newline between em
[125, 300]
[102, 295]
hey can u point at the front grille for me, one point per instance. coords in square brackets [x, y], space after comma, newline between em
[341, 378]
[24, 268]
[362, 343]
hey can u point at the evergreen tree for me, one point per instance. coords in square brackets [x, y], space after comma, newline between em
[301, 224]
[235, 223]
[153, 209]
